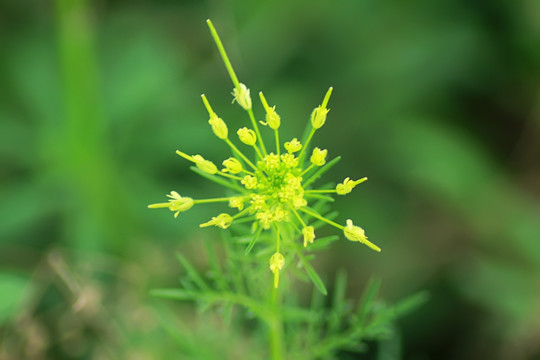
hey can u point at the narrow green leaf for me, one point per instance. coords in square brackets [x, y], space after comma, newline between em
[214, 265]
[320, 197]
[253, 241]
[338, 302]
[368, 298]
[322, 243]
[410, 303]
[339, 289]
[193, 274]
[176, 294]
[315, 277]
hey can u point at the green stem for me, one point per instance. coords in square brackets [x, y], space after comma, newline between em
[276, 132]
[256, 128]
[304, 148]
[204, 201]
[223, 54]
[221, 173]
[276, 327]
[322, 218]
[257, 151]
[239, 153]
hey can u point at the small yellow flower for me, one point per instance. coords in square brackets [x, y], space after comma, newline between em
[247, 136]
[236, 202]
[318, 157]
[242, 97]
[277, 261]
[222, 220]
[250, 182]
[356, 233]
[293, 146]
[347, 185]
[258, 202]
[309, 234]
[265, 218]
[232, 165]
[270, 162]
[176, 203]
[289, 160]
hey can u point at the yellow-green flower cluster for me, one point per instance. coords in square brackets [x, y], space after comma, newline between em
[275, 188]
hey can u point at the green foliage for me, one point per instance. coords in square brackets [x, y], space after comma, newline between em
[319, 331]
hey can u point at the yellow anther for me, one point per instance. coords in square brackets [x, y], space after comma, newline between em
[277, 261]
[222, 220]
[247, 136]
[242, 97]
[232, 165]
[293, 146]
[356, 233]
[318, 157]
[309, 234]
[347, 185]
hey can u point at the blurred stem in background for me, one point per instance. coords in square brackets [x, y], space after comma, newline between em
[87, 158]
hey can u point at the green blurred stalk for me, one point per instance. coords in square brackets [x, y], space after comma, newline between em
[87, 161]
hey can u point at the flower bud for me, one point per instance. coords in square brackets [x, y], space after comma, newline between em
[318, 116]
[309, 234]
[222, 220]
[232, 165]
[318, 156]
[277, 261]
[272, 118]
[237, 202]
[218, 126]
[347, 185]
[205, 165]
[242, 97]
[247, 136]
[356, 233]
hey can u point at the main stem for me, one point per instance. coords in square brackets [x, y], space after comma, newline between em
[276, 328]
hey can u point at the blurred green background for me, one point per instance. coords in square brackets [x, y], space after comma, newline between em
[438, 103]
